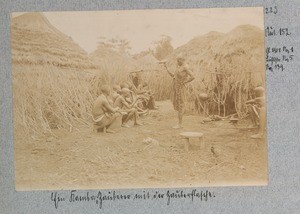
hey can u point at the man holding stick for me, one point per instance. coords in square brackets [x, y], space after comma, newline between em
[181, 76]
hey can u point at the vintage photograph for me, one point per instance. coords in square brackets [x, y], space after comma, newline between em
[139, 99]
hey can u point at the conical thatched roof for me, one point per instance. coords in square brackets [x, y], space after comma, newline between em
[35, 41]
[35, 21]
[226, 51]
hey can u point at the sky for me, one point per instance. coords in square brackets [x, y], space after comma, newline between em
[142, 27]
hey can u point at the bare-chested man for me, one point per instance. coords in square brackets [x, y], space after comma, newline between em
[147, 96]
[116, 92]
[181, 77]
[132, 113]
[105, 116]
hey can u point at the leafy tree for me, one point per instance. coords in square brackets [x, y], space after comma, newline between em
[116, 44]
[163, 47]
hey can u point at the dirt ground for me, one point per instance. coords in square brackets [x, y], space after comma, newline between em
[147, 156]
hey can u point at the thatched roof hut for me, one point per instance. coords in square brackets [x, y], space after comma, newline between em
[226, 66]
[216, 50]
[35, 41]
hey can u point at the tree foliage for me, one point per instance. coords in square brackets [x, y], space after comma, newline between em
[116, 44]
[163, 47]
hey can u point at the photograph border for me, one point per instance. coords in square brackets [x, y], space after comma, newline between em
[283, 192]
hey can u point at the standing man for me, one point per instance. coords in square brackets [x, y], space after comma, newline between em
[181, 76]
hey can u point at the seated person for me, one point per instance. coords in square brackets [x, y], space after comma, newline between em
[128, 85]
[115, 93]
[122, 103]
[124, 85]
[144, 91]
[257, 111]
[133, 97]
[136, 78]
[104, 115]
[139, 102]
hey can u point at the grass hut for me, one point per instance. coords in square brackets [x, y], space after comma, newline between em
[50, 78]
[35, 41]
[227, 67]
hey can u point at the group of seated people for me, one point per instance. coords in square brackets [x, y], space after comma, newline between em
[128, 101]
[116, 107]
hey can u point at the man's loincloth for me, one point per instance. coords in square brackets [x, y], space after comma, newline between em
[105, 120]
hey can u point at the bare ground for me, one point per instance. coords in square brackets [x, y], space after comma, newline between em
[148, 156]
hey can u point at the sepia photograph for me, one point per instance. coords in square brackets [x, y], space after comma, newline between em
[127, 99]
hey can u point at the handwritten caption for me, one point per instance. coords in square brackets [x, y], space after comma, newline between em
[277, 57]
[98, 198]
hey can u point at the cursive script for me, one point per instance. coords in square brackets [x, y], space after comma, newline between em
[98, 198]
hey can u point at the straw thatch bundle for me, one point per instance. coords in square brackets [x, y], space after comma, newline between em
[47, 97]
[115, 65]
[147, 62]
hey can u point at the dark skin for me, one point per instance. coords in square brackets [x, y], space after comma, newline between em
[132, 112]
[262, 114]
[102, 105]
[121, 102]
[257, 100]
[180, 62]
